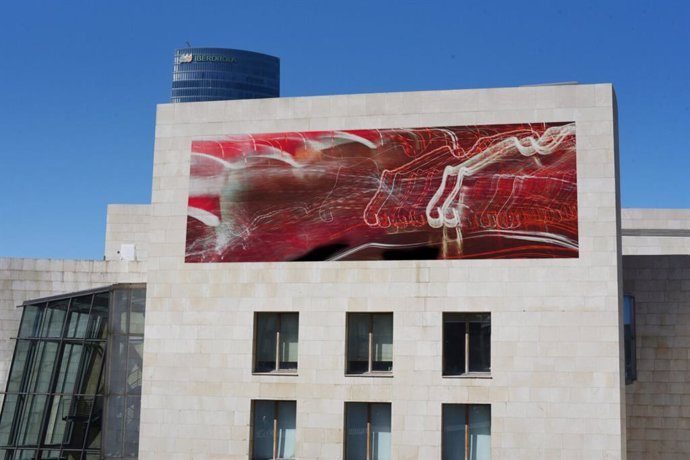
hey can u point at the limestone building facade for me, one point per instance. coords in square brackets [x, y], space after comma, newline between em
[405, 357]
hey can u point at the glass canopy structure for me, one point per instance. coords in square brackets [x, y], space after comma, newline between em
[74, 388]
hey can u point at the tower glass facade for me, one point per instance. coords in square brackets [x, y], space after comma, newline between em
[214, 74]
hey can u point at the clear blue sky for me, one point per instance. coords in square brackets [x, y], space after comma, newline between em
[79, 82]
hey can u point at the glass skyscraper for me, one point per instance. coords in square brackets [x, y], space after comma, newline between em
[216, 74]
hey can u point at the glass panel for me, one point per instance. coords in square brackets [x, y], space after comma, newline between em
[131, 441]
[98, 318]
[453, 345]
[629, 339]
[93, 439]
[79, 317]
[69, 366]
[118, 361]
[54, 318]
[286, 429]
[263, 430]
[120, 309]
[136, 318]
[382, 329]
[480, 432]
[50, 455]
[7, 417]
[26, 455]
[112, 446]
[628, 309]
[358, 343]
[78, 414]
[480, 344]
[57, 419]
[380, 432]
[453, 431]
[134, 363]
[266, 329]
[92, 363]
[32, 416]
[52, 419]
[288, 341]
[21, 353]
[42, 369]
[356, 431]
[78, 324]
[30, 320]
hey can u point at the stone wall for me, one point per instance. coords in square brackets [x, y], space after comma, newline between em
[658, 403]
[127, 224]
[555, 388]
[655, 231]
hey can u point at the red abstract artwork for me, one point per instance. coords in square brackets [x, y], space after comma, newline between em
[495, 191]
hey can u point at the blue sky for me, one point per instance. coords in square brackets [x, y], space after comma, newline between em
[79, 82]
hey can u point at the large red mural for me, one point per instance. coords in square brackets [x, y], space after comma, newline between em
[494, 191]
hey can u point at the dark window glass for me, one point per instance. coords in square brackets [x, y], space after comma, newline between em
[480, 344]
[367, 431]
[466, 343]
[273, 430]
[466, 432]
[358, 343]
[369, 342]
[382, 342]
[266, 334]
[629, 334]
[454, 346]
[276, 342]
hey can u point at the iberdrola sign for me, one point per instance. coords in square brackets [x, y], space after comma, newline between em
[187, 58]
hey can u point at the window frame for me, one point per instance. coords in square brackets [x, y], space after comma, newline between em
[276, 418]
[467, 407]
[369, 430]
[466, 318]
[369, 372]
[279, 319]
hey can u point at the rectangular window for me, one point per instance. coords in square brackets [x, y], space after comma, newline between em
[275, 339]
[273, 431]
[466, 432]
[629, 338]
[367, 431]
[466, 343]
[369, 342]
